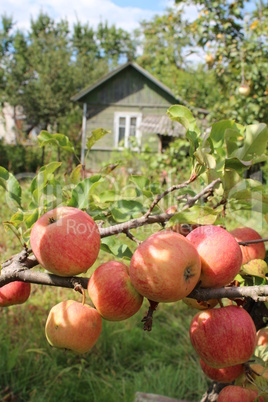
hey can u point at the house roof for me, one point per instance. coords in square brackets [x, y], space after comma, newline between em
[84, 92]
[162, 125]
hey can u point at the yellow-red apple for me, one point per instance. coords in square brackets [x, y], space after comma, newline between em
[165, 267]
[251, 251]
[262, 337]
[73, 325]
[14, 293]
[224, 336]
[244, 89]
[112, 292]
[226, 374]
[200, 305]
[235, 393]
[221, 256]
[65, 241]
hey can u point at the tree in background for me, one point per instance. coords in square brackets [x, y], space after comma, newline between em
[234, 38]
[166, 46]
[41, 70]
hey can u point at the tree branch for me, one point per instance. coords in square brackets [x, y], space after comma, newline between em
[257, 293]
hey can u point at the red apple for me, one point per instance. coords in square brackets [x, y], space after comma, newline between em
[73, 325]
[112, 292]
[221, 256]
[262, 337]
[65, 241]
[234, 393]
[224, 336]
[165, 267]
[226, 374]
[14, 293]
[252, 251]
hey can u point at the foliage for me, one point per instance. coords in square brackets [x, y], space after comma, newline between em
[224, 153]
[51, 61]
[238, 46]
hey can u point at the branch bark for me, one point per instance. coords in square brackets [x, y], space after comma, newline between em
[20, 272]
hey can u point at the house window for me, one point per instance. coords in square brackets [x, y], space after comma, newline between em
[127, 126]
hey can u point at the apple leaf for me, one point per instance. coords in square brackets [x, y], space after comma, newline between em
[96, 134]
[12, 187]
[184, 116]
[142, 182]
[114, 246]
[225, 131]
[256, 267]
[82, 193]
[126, 209]
[75, 175]
[59, 140]
[255, 142]
[11, 226]
[202, 215]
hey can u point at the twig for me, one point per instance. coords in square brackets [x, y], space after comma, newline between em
[207, 190]
[247, 242]
[132, 237]
[168, 191]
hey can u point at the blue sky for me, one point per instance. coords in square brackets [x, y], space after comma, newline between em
[124, 13]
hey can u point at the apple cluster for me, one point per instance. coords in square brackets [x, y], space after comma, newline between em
[164, 268]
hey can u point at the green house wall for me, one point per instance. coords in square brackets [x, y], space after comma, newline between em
[127, 91]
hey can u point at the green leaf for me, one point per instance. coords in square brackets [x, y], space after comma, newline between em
[141, 182]
[95, 136]
[184, 116]
[59, 140]
[255, 143]
[75, 175]
[11, 226]
[126, 209]
[12, 187]
[220, 133]
[31, 217]
[82, 192]
[114, 246]
[198, 214]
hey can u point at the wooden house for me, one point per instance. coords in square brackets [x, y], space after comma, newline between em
[132, 104]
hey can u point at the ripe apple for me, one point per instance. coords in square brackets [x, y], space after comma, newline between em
[244, 89]
[262, 337]
[221, 256]
[209, 59]
[73, 325]
[235, 393]
[14, 293]
[200, 305]
[65, 241]
[223, 336]
[112, 292]
[226, 374]
[165, 267]
[252, 251]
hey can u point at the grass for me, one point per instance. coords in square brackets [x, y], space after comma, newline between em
[125, 359]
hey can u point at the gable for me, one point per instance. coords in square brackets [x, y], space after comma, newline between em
[131, 85]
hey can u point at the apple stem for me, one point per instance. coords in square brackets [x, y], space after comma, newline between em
[220, 302]
[79, 288]
[148, 319]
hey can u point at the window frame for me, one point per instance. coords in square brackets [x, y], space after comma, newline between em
[127, 116]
